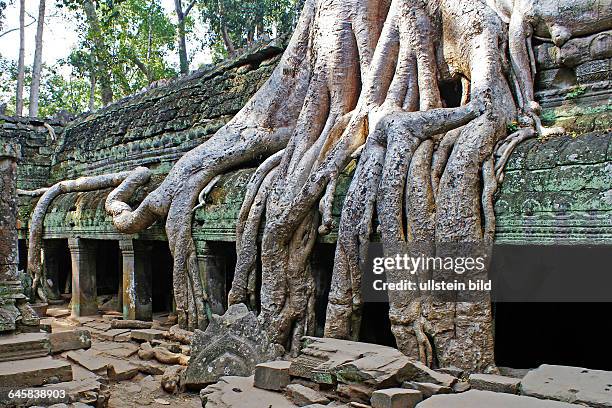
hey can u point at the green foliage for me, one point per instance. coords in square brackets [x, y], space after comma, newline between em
[246, 21]
[134, 38]
[576, 92]
[512, 127]
[57, 93]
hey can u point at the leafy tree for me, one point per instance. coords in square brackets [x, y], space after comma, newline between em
[57, 93]
[124, 44]
[236, 24]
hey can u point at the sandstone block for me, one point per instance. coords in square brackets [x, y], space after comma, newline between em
[427, 389]
[486, 399]
[69, 340]
[302, 396]
[34, 372]
[147, 334]
[569, 384]
[273, 375]
[495, 383]
[395, 398]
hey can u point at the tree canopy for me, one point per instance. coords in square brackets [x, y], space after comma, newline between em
[125, 45]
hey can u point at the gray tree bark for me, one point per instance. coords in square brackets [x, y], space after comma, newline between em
[37, 65]
[21, 61]
[359, 80]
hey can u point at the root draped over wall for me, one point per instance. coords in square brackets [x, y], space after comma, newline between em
[359, 80]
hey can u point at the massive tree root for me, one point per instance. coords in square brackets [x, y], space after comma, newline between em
[359, 81]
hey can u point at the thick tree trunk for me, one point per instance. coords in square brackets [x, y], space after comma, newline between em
[37, 65]
[21, 61]
[358, 81]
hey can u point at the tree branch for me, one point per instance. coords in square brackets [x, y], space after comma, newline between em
[189, 7]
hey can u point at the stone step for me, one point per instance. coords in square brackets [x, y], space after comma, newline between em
[23, 346]
[34, 372]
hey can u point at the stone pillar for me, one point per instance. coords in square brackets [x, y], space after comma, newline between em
[11, 290]
[137, 280]
[84, 290]
[212, 271]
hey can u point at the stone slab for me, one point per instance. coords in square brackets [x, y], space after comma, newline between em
[495, 383]
[239, 392]
[110, 334]
[427, 389]
[488, 399]
[569, 384]
[301, 395]
[69, 340]
[273, 375]
[34, 372]
[90, 359]
[22, 346]
[395, 398]
[147, 334]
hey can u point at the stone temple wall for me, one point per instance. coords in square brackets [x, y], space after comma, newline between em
[38, 140]
[556, 190]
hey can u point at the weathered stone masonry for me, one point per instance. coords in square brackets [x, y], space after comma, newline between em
[554, 191]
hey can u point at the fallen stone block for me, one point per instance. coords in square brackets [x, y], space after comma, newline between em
[120, 370]
[427, 389]
[239, 392]
[34, 372]
[150, 367]
[569, 384]
[273, 375]
[130, 324]
[302, 396]
[69, 340]
[495, 383]
[147, 334]
[355, 392]
[395, 398]
[486, 399]
[232, 344]
[23, 345]
[110, 334]
[90, 359]
[327, 361]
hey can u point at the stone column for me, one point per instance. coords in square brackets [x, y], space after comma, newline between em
[212, 271]
[137, 280]
[11, 290]
[84, 289]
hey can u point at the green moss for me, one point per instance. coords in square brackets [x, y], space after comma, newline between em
[576, 92]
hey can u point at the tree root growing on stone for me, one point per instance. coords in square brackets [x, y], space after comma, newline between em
[360, 80]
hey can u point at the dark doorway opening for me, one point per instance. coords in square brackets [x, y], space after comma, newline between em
[108, 274]
[556, 307]
[530, 334]
[22, 251]
[161, 268]
[451, 93]
[221, 269]
[322, 263]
